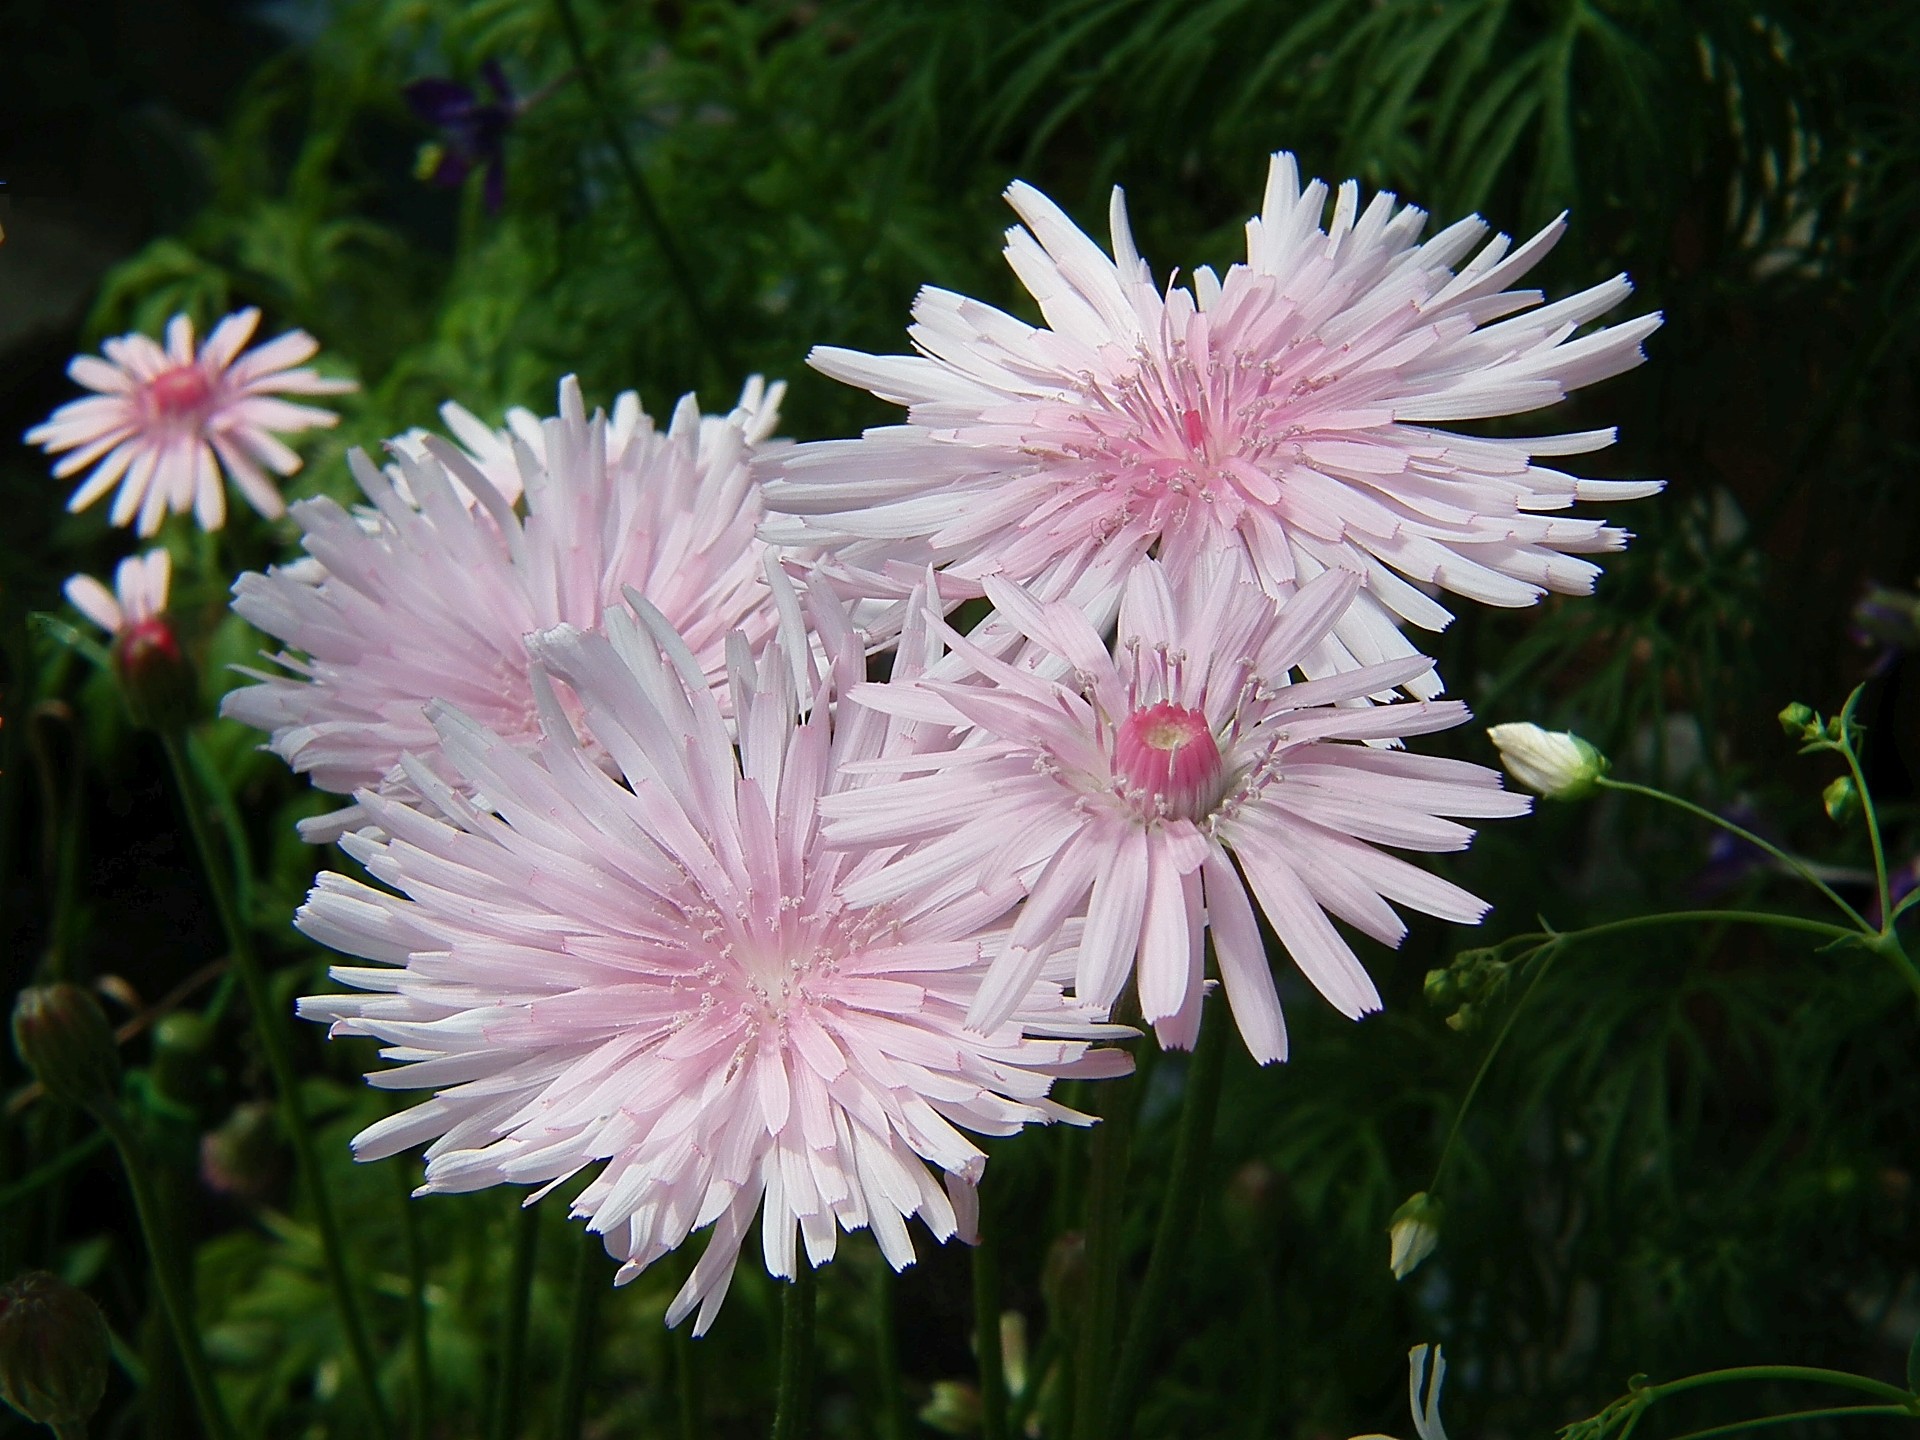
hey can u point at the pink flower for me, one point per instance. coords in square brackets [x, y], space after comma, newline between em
[166, 422]
[430, 595]
[1126, 785]
[138, 597]
[664, 975]
[1292, 411]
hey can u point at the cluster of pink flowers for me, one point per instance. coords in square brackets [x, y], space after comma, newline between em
[669, 886]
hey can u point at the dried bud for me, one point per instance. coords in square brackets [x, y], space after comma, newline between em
[1842, 799]
[53, 1350]
[245, 1157]
[154, 675]
[1063, 1276]
[953, 1408]
[1555, 763]
[1413, 1233]
[62, 1036]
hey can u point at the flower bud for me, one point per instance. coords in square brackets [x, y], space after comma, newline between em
[1799, 722]
[62, 1036]
[1412, 1233]
[53, 1350]
[1842, 799]
[154, 675]
[1555, 763]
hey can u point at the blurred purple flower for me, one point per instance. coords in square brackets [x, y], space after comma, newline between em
[1886, 619]
[1901, 882]
[473, 131]
[1730, 860]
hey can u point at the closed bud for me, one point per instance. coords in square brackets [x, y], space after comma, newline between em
[62, 1036]
[1842, 799]
[1799, 722]
[1412, 1233]
[952, 1409]
[154, 675]
[1555, 763]
[1441, 989]
[53, 1350]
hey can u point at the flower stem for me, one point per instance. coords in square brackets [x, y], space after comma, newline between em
[1831, 1412]
[419, 1357]
[1112, 1143]
[1812, 1375]
[686, 1384]
[886, 1347]
[1799, 867]
[793, 1406]
[576, 1364]
[512, 1358]
[166, 1273]
[1185, 1177]
[710, 339]
[986, 1331]
[286, 1081]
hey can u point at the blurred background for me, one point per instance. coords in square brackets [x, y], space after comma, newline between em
[1692, 1151]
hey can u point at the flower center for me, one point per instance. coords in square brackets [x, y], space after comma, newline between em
[179, 393]
[1167, 754]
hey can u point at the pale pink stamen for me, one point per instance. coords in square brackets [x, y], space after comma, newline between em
[1167, 753]
[178, 394]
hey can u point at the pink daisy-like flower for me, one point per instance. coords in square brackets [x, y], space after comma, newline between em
[664, 975]
[430, 595]
[1128, 788]
[166, 421]
[1292, 411]
[138, 597]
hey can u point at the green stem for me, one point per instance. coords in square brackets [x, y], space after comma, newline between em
[686, 1384]
[710, 339]
[166, 1275]
[576, 1362]
[986, 1331]
[1185, 1179]
[513, 1339]
[793, 1405]
[1799, 867]
[1873, 836]
[1550, 951]
[1812, 1375]
[1832, 1412]
[420, 1359]
[1106, 1193]
[886, 1346]
[286, 1080]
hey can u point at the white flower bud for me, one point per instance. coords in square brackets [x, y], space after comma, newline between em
[1413, 1233]
[1555, 763]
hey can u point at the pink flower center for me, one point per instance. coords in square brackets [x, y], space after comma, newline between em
[1167, 753]
[178, 394]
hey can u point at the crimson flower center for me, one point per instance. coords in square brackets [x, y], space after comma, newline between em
[1166, 754]
[180, 393]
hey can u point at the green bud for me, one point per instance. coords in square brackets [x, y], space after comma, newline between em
[62, 1036]
[1412, 1233]
[1441, 989]
[1842, 799]
[1799, 722]
[427, 161]
[154, 675]
[180, 1043]
[53, 1350]
[1556, 764]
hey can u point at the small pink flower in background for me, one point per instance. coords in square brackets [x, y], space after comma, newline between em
[664, 977]
[167, 421]
[1126, 789]
[1292, 411]
[429, 596]
[138, 597]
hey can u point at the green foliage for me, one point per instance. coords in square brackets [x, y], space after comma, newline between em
[1693, 1149]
